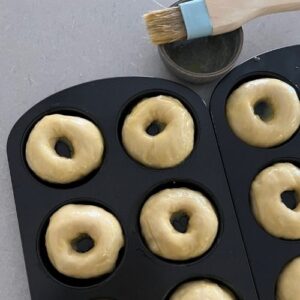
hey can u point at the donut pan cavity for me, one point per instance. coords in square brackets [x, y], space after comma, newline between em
[267, 255]
[121, 185]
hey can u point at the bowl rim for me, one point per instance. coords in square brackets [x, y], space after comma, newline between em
[210, 75]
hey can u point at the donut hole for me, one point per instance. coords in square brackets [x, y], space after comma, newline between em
[290, 199]
[180, 221]
[264, 110]
[83, 243]
[64, 148]
[155, 128]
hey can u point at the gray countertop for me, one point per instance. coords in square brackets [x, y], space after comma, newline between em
[47, 46]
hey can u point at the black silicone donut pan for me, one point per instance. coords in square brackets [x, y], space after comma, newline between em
[267, 255]
[122, 185]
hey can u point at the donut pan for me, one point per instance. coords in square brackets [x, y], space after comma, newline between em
[122, 185]
[267, 255]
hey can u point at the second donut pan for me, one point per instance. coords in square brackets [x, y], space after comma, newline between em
[121, 185]
[267, 254]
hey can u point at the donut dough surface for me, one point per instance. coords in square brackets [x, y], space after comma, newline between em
[202, 290]
[160, 235]
[281, 123]
[288, 287]
[72, 221]
[84, 138]
[270, 212]
[171, 145]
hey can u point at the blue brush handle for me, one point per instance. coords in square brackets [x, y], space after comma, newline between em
[196, 19]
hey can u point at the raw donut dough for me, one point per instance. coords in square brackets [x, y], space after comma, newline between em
[249, 127]
[166, 149]
[74, 220]
[84, 137]
[160, 235]
[202, 290]
[288, 287]
[269, 210]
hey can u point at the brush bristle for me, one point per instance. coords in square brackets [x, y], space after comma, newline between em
[165, 26]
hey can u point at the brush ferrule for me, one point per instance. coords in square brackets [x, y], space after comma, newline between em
[196, 19]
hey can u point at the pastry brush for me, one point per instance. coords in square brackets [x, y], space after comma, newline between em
[200, 18]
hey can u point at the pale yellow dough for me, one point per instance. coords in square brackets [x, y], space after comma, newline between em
[84, 137]
[70, 222]
[249, 127]
[160, 235]
[269, 210]
[202, 290]
[166, 149]
[288, 287]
